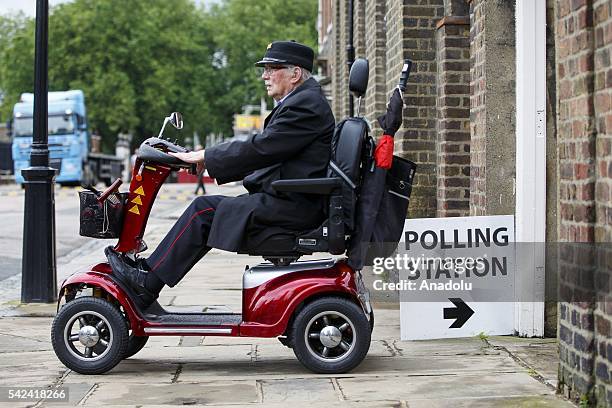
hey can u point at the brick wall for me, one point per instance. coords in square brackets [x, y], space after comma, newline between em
[411, 29]
[339, 68]
[602, 102]
[376, 40]
[386, 32]
[583, 37]
[576, 191]
[602, 20]
[453, 116]
[359, 24]
[478, 113]
[493, 98]
[551, 306]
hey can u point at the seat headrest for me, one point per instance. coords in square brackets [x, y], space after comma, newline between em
[358, 77]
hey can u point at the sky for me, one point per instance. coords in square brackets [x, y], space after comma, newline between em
[29, 6]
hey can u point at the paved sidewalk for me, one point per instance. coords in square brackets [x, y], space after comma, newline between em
[218, 371]
[182, 192]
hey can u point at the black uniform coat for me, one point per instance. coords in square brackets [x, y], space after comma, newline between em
[295, 143]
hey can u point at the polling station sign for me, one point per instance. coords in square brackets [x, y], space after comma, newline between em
[455, 276]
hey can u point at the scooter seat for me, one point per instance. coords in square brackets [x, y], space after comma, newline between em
[276, 241]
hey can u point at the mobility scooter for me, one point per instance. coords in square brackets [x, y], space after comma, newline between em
[318, 308]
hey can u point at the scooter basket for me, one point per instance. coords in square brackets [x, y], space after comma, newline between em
[101, 220]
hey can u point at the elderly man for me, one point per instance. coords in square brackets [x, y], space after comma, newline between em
[295, 143]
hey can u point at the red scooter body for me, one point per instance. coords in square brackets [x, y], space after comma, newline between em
[275, 300]
[266, 308]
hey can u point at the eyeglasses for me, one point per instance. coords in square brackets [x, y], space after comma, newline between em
[273, 68]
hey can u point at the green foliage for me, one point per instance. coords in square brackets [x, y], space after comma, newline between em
[584, 401]
[135, 64]
[137, 61]
[248, 27]
[16, 50]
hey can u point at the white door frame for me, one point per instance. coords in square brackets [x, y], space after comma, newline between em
[530, 165]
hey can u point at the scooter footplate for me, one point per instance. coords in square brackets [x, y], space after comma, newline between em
[192, 319]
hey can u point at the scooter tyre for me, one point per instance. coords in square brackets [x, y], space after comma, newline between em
[360, 331]
[117, 346]
[135, 344]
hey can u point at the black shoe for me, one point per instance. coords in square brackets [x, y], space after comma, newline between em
[133, 277]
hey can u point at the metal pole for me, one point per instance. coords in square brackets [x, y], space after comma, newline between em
[38, 274]
[350, 51]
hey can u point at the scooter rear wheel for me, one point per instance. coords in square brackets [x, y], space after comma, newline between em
[331, 335]
[135, 344]
[89, 335]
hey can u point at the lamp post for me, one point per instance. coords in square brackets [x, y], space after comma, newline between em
[38, 273]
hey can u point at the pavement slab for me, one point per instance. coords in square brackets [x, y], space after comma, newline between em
[32, 369]
[132, 371]
[233, 392]
[298, 390]
[445, 386]
[537, 401]
[197, 354]
[541, 355]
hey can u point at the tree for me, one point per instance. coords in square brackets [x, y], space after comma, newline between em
[135, 64]
[247, 28]
[17, 55]
[138, 61]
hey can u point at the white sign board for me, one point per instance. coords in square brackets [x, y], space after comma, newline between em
[459, 279]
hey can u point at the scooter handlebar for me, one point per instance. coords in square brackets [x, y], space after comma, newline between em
[165, 145]
[149, 153]
[156, 150]
[111, 189]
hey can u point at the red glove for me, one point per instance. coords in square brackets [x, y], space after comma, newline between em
[384, 152]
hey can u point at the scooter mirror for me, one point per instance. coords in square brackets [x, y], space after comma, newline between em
[177, 120]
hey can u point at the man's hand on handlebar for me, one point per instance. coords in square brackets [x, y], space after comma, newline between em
[196, 157]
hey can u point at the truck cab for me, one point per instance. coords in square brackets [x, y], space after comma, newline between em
[68, 135]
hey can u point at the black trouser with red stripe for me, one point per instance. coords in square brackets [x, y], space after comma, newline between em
[185, 243]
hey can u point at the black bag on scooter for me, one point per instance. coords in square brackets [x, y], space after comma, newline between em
[381, 211]
[393, 208]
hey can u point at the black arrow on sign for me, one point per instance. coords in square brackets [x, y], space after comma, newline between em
[462, 312]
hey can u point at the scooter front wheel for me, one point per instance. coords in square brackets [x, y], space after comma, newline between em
[89, 335]
[331, 335]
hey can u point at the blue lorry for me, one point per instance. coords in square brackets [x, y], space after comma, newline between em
[69, 141]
